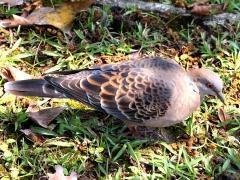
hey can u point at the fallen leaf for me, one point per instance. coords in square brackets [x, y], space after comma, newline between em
[213, 146]
[208, 9]
[203, 10]
[189, 144]
[222, 115]
[16, 21]
[58, 175]
[13, 74]
[12, 3]
[36, 138]
[46, 116]
[61, 17]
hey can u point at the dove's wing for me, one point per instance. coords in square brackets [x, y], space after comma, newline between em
[131, 90]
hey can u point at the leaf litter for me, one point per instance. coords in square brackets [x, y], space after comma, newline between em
[35, 138]
[44, 117]
[13, 74]
[204, 8]
[60, 16]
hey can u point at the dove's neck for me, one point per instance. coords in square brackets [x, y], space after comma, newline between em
[200, 86]
[202, 91]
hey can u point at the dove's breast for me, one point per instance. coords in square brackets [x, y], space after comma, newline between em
[178, 98]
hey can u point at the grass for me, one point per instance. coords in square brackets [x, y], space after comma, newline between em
[94, 146]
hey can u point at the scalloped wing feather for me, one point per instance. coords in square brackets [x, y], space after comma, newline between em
[131, 90]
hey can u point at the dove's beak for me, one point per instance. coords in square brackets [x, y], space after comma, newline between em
[221, 97]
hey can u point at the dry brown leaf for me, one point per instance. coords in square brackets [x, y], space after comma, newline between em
[13, 74]
[16, 21]
[36, 138]
[222, 115]
[208, 9]
[12, 3]
[58, 175]
[189, 144]
[213, 146]
[203, 10]
[61, 17]
[44, 117]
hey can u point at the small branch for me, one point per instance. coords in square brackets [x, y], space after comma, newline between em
[221, 19]
[146, 6]
[164, 8]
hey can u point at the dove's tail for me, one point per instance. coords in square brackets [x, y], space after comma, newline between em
[33, 87]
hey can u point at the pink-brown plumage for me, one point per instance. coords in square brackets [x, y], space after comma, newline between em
[150, 92]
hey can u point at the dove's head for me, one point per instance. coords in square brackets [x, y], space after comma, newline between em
[208, 82]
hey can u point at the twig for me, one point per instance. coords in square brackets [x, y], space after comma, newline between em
[147, 6]
[164, 8]
[221, 18]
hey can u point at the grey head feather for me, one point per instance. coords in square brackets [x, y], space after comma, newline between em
[208, 82]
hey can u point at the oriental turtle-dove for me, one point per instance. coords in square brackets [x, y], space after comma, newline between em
[154, 92]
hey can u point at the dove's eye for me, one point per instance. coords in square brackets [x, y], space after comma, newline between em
[209, 85]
